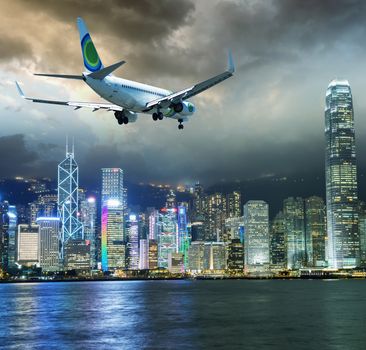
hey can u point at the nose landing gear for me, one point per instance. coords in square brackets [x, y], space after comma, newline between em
[180, 125]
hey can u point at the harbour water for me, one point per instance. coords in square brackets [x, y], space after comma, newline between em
[227, 314]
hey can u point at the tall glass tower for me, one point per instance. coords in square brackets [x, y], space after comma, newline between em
[113, 205]
[67, 199]
[341, 177]
[256, 228]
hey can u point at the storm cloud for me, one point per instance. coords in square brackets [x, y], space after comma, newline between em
[268, 120]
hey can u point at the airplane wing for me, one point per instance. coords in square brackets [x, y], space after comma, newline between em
[193, 90]
[76, 105]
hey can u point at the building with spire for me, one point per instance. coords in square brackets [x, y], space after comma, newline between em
[67, 199]
[341, 177]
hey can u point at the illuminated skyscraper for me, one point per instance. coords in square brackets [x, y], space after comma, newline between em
[256, 231]
[278, 251]
[341, 177]
[153, 223]
[214, 256]
[88, 216]
[183, 239]
[195, 256]
[215, 217]
[113, 240]
[49, 243]
[293, 210]
[234, 204]
[144, 254]
[315, 231]
[28, 252]
[362, 233]
[168, 235]
[153, 254]
[112, 185]
[67, 199]
[132, 243]
[113, 235]
[235, 259]
[4, 235]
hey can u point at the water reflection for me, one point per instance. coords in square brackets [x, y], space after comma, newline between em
[184, 314]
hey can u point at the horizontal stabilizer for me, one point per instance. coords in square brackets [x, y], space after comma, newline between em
[102, 73]
[65, 76]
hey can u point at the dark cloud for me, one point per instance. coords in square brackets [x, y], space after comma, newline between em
[15, 156]
[141, 21]
[14, 47]
[268, 119]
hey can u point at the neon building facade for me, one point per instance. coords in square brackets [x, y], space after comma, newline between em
[341, 177]
[113, 240]
[168, 235]
[183, 238]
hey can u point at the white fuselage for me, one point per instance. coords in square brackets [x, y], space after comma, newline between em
[129, 95]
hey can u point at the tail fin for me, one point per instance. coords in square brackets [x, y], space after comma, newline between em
[92, 62]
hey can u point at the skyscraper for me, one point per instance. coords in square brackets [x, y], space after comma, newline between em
[293, 210]
[28, 252]
[113, 235]
[144, 254]
[49, 243]
[4, 235]
[67, 199]
[132, 243]
[278, 251]
[234, 204]
[113, 240]
[168, 235]
[88, 217]
[341, 177]
[215, 217]
[235, 259]
[112, 185]
[315, 231]
[256, 231]
[183, 240]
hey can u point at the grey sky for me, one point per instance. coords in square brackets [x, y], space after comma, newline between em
[267, 120]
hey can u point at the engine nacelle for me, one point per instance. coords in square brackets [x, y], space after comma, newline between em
[184, 108]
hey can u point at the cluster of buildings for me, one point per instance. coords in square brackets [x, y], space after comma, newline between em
[208, 234]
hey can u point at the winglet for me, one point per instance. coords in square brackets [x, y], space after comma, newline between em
[21, 93]
[230, 63]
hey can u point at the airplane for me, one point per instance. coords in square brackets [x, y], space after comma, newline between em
[128, 98]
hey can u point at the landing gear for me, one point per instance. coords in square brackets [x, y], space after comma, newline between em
[121, 118]
[180, 126]
[157, 116]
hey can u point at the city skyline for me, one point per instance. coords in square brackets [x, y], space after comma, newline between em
[276, 97]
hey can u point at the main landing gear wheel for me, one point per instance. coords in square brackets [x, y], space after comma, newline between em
[157, 116]
[121, 119]
[180, 126]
